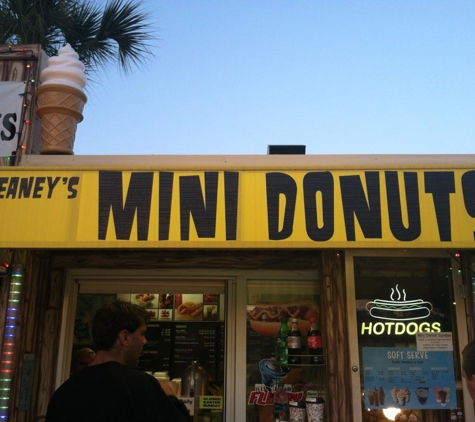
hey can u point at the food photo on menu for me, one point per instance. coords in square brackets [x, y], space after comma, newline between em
[147, 300]
[165, 307]
[158, 305]
[188, 307]
[178, 307]
[210, 307]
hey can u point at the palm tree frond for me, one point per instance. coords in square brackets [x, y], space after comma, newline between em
[120, 33]
[124, 23]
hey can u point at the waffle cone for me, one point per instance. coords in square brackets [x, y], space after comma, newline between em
[60, 109]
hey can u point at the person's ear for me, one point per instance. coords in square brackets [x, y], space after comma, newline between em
[124, 338]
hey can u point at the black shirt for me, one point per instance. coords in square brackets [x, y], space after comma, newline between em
[114, 392]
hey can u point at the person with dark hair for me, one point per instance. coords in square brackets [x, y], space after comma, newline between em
[468, 367]
[81, 359]
[111, 388]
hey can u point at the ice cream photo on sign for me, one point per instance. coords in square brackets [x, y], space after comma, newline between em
[61, 100]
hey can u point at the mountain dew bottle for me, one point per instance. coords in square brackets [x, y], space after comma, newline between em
[281, 351]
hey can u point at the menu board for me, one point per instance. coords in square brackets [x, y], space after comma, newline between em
[408, 378]
[200, 341]
[178, 307]
[220, 365]
[156, 353]
[182, 328]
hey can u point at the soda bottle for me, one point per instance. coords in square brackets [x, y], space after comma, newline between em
[281, 352]
[294, 343]
[314, 342]
[281, 404]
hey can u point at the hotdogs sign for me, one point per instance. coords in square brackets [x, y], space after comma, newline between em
[398, 316]
[232, 209]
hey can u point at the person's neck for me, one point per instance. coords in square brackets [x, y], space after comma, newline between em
[103, 356]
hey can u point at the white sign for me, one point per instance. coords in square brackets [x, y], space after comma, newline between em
[434, 342]
[11, 102]
[189, 402]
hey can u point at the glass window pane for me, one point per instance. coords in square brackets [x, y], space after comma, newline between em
[184, 327]
[268, 301]
[406, 337]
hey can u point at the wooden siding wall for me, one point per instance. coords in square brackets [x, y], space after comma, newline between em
[336, 336]
[13, 68]
[42, 297]
[35, 297]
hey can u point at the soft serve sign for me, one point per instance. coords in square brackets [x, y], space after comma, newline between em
[399, 316]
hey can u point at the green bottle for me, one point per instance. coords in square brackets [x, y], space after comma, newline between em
[281, 351]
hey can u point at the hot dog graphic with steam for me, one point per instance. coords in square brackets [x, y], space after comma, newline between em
[399, 309]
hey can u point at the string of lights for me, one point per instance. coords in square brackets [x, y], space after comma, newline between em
[28, 56]
[5, 265]
[470, 271]
[456, 257]
[10, 49]
[9, 338]
[14, 272]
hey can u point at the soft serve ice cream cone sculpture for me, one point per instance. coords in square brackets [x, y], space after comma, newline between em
[61, 101]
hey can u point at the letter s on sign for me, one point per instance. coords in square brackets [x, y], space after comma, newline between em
[72, 182]
[8, 124]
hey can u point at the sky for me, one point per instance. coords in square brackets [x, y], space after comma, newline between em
[340, 77]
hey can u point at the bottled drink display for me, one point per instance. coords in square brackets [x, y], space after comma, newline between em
[281, 352]
[294, 343]
[281, 404]
[314, 342]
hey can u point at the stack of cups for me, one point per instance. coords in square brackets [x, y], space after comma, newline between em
[315, 405]
[297, 411]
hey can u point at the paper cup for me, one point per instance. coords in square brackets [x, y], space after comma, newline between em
[315, 412]
[297, 411]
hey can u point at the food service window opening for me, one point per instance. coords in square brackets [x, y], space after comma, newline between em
[185, 336]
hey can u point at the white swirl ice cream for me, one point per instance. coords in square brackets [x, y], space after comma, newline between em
[64, 69]
[60, 99]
